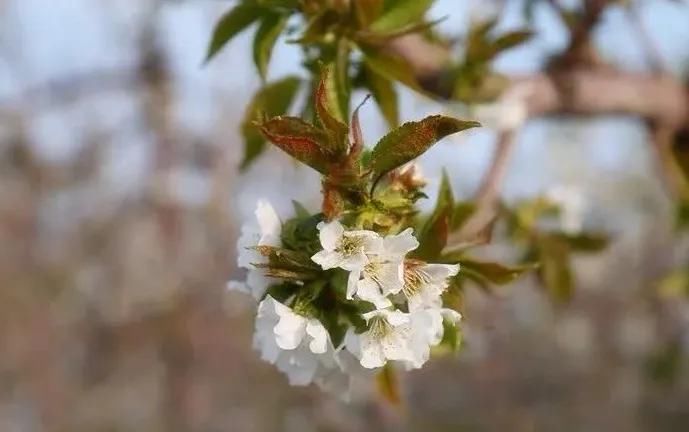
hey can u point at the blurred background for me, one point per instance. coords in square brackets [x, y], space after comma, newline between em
[120, 203]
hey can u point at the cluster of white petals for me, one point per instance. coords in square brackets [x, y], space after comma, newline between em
[264, 232]
[380, 274]
[299, 346]
[405, 314]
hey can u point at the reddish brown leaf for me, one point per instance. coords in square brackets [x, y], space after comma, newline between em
[300, 140]
[411, 140]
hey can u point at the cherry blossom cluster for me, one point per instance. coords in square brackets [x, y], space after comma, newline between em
[389, 307]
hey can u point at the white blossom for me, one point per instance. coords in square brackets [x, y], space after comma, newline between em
[395, 335]
[427, 331]
[265, 231]
[345, 249]
[425, 283]
[299, 346]
[572, 204]
[384, 272]
[387, 338]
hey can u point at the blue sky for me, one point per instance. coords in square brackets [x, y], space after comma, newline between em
[42, 41]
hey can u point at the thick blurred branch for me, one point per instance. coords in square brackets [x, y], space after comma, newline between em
[574, 83]
[586, 90]
[593, 91]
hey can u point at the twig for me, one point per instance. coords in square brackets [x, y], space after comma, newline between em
[488, 193]
[668, 170]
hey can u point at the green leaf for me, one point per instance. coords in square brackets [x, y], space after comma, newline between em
[411, 140]
[511, 40]
[584, 242]
[300, 140]
[327, 106]
[401, 13]
[282, 291]
[680, 150]
[231, 24]
[665, 365]
[433, 235]
[385, 95]
[493, 272]
[477, 45]
[290, 275]
[388, 385]
[375, 38]
[680, 165]
[461, 213]
[452, 336]
[341, 76]
[300, 210]
[272, 100]
[301, 233]
[285, 4]
[555, 269]
[675, 284]
[318, 27]
[357, 135]
[367, 11]
[390, 66]
[287, 259]
[267, 34]
[683, 215]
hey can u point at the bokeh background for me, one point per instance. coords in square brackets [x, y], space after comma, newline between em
[120, 202]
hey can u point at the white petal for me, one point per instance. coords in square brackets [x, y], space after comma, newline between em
[429, 296]
[352, 342]
[390, 276]
[264, 339]
[238, 286]
[368, 290]
[352, 281]
[433, 326]
[290, 330]
[396, 318]
[330, 234]
[427, 330]
[401, 243]
[356, 261]
[396, 345]
[372, 355]
[451, 315]
[258, 282]
[368, 315]
[300, 366]
[246, 255]
[440, 272]
[268, 220]
[327, 259]
[270, 351]
[315, 329]
[372, 242]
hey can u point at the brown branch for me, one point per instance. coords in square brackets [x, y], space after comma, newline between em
[488, 193]
[662, 138]
[584, 90]
[595, 91]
